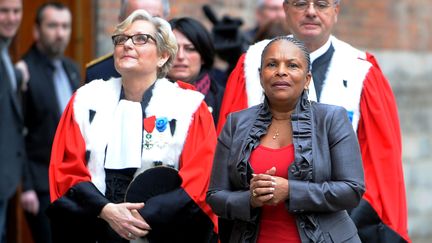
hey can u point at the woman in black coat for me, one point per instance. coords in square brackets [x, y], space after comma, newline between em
[194, 61]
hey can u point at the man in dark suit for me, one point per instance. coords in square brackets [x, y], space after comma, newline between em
[53, 79]
[103, 67]
[12, 153]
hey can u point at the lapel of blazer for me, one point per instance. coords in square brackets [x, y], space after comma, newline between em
[9, 92]
[16, 104]
[41, 81]
[6, 86]
[46, 70]
[72, 73]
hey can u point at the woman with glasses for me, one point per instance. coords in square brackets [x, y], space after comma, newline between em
[287, 170]
[114, 130]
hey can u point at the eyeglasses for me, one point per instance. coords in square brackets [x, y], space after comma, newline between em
[302, 5]
[137, 39]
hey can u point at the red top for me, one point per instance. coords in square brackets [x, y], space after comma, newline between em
[277, 224]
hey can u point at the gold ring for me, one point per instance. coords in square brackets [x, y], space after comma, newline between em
[254, 193]
[130, 235]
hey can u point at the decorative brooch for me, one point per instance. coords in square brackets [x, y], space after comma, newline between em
[149, 125]
[158, 137]
[161, 124]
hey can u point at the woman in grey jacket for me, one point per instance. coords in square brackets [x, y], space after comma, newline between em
[288, 169]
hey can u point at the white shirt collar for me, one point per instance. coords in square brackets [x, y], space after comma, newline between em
[320, 51]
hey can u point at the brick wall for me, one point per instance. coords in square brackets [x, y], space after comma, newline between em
[108, 10]
[387, 24]
[370, 24]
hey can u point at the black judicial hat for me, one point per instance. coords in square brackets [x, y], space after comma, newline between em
[152, 182]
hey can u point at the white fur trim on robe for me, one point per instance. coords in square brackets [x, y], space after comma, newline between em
[102, 97]
[344, 81]
[252, 64]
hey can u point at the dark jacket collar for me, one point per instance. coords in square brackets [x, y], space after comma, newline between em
[42, 57]
[4, 43]
[301, 120]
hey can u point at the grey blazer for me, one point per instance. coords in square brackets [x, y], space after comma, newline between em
[325, 179]
[12, 147]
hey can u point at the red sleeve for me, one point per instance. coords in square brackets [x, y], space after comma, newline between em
[197, 158]
[380, 142]
[185, 85]
[235, 96]
[371, 58]
[68, 163]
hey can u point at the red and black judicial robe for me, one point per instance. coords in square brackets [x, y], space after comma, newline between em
[79, 155]
[353, 80]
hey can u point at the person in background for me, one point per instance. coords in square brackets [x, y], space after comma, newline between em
[271, 30]
[345, 76]
[157, 8]
[12, 148]
[266, 11]
[53, 79]
[103, 67]
[194, 61]
[111, 131]
[287, 170]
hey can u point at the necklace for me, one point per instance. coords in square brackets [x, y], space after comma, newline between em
[276, 134]
[281, 119]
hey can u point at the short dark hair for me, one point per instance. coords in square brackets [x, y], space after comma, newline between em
[198, 36]
[41, 9]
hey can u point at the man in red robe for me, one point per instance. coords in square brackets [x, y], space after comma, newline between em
[350, 78]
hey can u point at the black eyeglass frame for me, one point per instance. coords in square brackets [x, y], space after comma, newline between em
[133, 38]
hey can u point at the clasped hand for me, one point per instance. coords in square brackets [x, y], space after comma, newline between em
[125, 219]
[268, 189]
